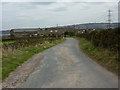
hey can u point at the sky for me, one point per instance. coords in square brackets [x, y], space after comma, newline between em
[39, 14]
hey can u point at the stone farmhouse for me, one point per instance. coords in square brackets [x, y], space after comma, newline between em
[29, 32]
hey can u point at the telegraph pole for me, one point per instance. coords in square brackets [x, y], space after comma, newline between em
[57, 25]
[109, 19]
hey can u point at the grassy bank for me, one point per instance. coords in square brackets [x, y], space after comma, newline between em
[105, 57]
[12, 59]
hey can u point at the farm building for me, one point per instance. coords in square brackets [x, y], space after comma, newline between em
[53, 31]
[50, 32]
[30, 32]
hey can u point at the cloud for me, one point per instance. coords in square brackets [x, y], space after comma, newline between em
[41, 3]
[33, 14]
[60, 0]
[60, 9]
[94, 3]
[26, 5]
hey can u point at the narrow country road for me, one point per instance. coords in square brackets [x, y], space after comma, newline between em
[65, 66]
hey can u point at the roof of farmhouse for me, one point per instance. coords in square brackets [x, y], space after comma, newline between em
[25, 30]
[36, 29]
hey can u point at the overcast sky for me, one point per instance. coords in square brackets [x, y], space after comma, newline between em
[46, 14]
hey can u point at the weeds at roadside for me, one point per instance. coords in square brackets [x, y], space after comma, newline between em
[16, 54]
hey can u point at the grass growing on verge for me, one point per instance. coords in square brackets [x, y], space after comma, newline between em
[14, 59]
[103, 56]
[7, 42]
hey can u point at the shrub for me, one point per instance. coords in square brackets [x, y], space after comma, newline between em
[104, 38]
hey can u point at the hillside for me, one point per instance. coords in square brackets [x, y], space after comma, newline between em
[93, 26]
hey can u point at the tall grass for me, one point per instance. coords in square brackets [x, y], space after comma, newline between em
[103, 56]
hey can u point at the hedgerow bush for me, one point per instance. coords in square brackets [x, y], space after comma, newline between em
[104, 38]
[27, 42]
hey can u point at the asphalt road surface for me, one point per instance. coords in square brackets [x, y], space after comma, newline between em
[65, 66]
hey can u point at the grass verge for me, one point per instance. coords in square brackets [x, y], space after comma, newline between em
[14, 59]
[103, 56]
[7, 42]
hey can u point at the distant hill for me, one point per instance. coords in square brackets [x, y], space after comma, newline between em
[5, 33]
[93, 26]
